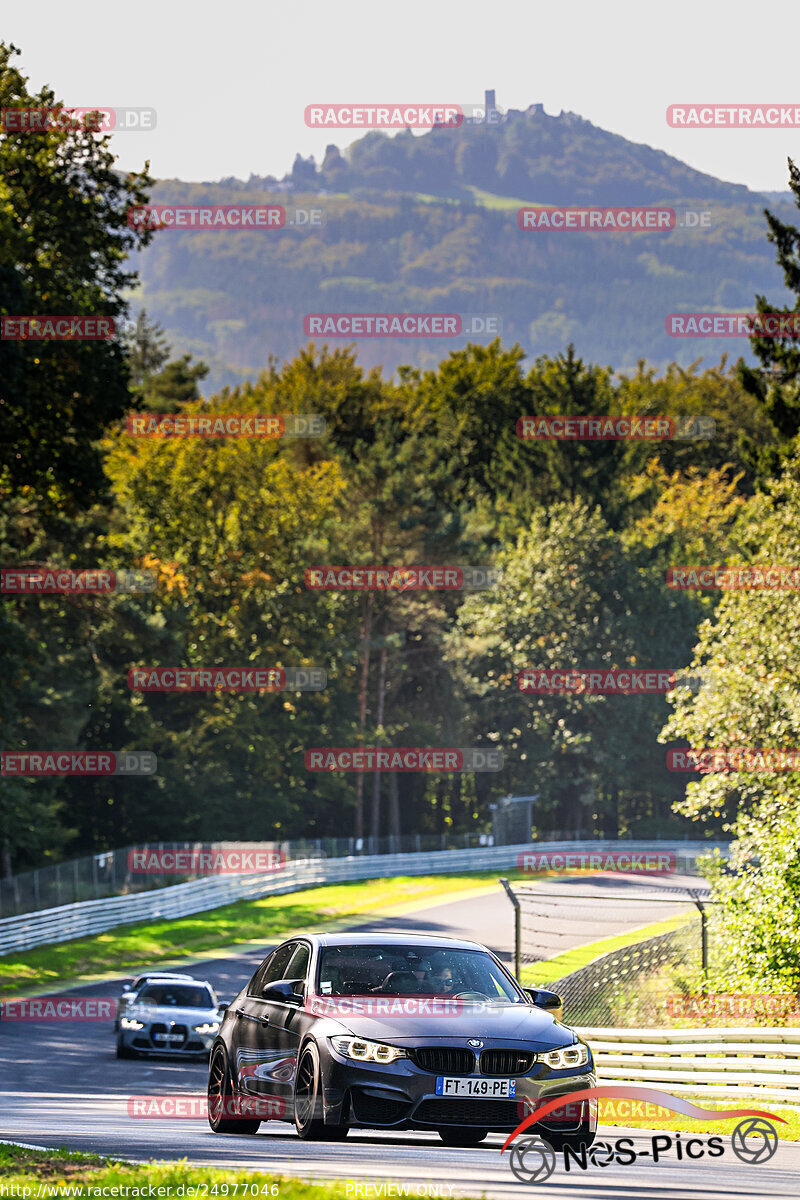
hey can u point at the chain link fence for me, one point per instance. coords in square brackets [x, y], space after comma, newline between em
[568, 942]
[635, 986]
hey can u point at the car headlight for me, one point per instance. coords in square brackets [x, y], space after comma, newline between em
[207, 1027]
[567, 1056]
[130, 1023]
[363, 1051]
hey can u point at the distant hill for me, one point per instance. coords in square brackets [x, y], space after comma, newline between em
[428, 223]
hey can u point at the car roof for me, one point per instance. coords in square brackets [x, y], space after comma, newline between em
[179, 979]
[163, 975]
[429, 941]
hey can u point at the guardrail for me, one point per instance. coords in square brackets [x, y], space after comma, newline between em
[702, 1062]
[52, 925]
[108, 873]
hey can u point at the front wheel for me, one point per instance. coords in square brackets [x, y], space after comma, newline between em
[123, 1051]
[220, 1099]
[462, 1137]
[308, 1119]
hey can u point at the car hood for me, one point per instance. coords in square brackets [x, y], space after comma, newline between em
[501, 1023]
[181, 1016]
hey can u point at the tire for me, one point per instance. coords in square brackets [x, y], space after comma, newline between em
[463, 1136]
[308, 1120]
[124, 1051]
[335, 1133]
[220, 1093]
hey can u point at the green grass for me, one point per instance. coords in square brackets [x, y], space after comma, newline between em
[662, 1118]
[538, 974]
[491, 200]
[52, 1169]
[480, 197]
[128, 947]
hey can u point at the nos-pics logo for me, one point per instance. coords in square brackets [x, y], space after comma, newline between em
[534, 1159]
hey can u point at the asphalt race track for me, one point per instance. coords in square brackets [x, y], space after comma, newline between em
[60, 1084]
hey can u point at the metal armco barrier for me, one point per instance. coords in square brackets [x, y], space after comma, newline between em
[51, 925]
[712, 1063]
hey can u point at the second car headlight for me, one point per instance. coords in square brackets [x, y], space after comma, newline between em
[207, 1027]
[364, 1051]
[567, 1056]
[130, 1023]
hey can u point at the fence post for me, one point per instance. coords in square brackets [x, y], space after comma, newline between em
[517, 927]
[703, 938]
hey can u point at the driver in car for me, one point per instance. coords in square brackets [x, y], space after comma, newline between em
[441, 976]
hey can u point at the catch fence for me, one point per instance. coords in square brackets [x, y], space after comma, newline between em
[635, 984]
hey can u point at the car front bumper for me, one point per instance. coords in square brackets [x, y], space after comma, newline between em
[403, 1096]
[145, 1041]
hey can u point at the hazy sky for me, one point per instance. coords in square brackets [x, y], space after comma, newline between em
[230, 79]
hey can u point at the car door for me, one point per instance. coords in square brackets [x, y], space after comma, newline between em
[287, 1021]
[257, 1041]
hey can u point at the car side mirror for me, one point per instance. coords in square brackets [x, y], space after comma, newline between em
[550, 1001]
[284, 991]
[222, 1008]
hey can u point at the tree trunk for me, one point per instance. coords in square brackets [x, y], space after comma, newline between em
[376, 782]
[614, 830]
[362, 709]
[394, 806]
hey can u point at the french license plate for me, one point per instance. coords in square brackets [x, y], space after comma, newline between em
[168, 1037]
[447, 1085]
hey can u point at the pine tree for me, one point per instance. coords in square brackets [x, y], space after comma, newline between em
[776, 384]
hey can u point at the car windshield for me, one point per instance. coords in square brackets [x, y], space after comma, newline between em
[409, 970]
[171, 995]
